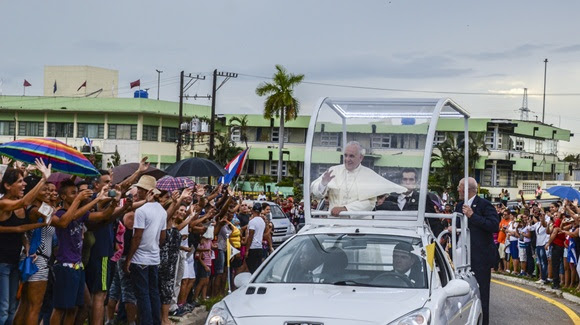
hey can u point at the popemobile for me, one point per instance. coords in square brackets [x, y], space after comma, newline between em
[378, 252]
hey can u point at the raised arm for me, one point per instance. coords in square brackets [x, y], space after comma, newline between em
[11, 205]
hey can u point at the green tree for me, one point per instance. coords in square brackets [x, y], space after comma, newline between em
[264, 180]
[225, 149]
[241, 123]
[280, 103]
[450, 153]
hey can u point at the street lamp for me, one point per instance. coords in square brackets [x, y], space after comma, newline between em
[158, 81]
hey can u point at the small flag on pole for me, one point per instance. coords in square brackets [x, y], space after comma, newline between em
[234, 167]
[430, 254]
[26, 83]
[136, 83]
[54, 88]
[83, 85]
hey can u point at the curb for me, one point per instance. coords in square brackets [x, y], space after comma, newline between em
[196, 317]
[559, 293]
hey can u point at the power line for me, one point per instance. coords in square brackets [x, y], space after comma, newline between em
[412, 90]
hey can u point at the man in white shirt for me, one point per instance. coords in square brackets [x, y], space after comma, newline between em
[143, 258]
[351, 186]
[256, 228]
[539, 227]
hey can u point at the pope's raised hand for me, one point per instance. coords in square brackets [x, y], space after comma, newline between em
[327, 177]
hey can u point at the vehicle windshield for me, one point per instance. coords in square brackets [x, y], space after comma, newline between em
[349, 259]
[277, 212]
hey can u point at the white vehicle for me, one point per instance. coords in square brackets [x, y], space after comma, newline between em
[377, 266]
[283, 228]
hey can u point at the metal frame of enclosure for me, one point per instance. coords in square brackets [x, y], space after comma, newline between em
[433, 110]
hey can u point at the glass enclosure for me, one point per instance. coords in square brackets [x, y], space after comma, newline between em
[372, 155]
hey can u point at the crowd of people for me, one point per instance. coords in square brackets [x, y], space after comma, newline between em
[92, 250]
[540, 242]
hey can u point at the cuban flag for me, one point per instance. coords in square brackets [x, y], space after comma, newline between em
[88, 141]
[234, 167]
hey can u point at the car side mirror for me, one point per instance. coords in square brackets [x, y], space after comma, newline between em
[242, 279]
[456, 288]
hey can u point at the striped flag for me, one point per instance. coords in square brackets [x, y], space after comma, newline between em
[234, 167]
[88, 141]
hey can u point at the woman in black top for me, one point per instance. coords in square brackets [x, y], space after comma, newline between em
[13, 223]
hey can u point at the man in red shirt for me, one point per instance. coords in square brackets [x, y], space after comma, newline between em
[557, 239]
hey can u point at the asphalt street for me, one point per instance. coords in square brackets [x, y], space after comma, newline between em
[512, 306]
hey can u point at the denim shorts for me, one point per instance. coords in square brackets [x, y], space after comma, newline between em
[127, 289]
[220, 262]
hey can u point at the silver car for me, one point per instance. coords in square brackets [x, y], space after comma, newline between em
[283, 228]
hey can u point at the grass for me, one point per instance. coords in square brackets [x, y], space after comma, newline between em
[208, 303]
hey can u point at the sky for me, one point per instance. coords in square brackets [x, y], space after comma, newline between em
[481, 54]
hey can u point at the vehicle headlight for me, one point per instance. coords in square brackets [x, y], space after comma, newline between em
[418, 317]
[220, 315]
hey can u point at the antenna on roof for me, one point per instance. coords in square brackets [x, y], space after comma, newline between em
[524, 110]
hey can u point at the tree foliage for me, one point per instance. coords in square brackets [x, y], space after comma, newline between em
[450, 153]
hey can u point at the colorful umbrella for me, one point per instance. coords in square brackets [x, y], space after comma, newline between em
[63, 158]
[186, 181]
[169, 183]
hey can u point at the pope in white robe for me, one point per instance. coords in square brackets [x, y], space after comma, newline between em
[351, 186]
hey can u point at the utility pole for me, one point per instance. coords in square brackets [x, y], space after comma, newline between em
[544, 100]
[183, 88]
[227, 76]
[158, 81]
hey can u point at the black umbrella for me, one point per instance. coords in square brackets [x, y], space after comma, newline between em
[123, 171]
[195, 167]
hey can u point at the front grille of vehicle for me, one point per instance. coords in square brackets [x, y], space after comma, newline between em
[280, 231]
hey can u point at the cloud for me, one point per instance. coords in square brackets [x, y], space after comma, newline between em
[568, 49]
[523, 50]
[375, 66]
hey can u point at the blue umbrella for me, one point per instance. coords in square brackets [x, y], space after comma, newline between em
[564, 192]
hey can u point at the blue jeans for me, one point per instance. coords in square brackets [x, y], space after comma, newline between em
[146, 284]
[543, 261]
[8, 289]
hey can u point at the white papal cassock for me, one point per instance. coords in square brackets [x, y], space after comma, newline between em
[356, 190]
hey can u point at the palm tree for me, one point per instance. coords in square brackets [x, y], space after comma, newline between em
[225, 150]
[280, 103]
[242, 125]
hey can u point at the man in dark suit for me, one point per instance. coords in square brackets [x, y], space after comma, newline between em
[483, 221]
[409, 201]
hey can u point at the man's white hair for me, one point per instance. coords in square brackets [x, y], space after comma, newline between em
[360, 148]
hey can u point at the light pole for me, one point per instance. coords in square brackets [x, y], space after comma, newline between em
[158, 81]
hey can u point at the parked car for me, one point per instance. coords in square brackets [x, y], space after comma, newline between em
[283, 228]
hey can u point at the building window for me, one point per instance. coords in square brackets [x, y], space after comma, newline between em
[274, 168]
[123, 131]
[329, 139]
[519, 144]
[381, 141]
[7, 128]
[59, 130]
[440, 137]
[276, 134]
[150, 133]
[489, 139]
[31, 129]
[92, 131]
[236, 134]
[539, 146]
[168, 134]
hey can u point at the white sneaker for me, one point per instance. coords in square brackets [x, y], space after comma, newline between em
[541, 281]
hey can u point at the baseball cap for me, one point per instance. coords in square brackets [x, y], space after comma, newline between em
[257, 207]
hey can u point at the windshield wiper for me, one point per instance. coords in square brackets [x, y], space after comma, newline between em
[354, 283]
